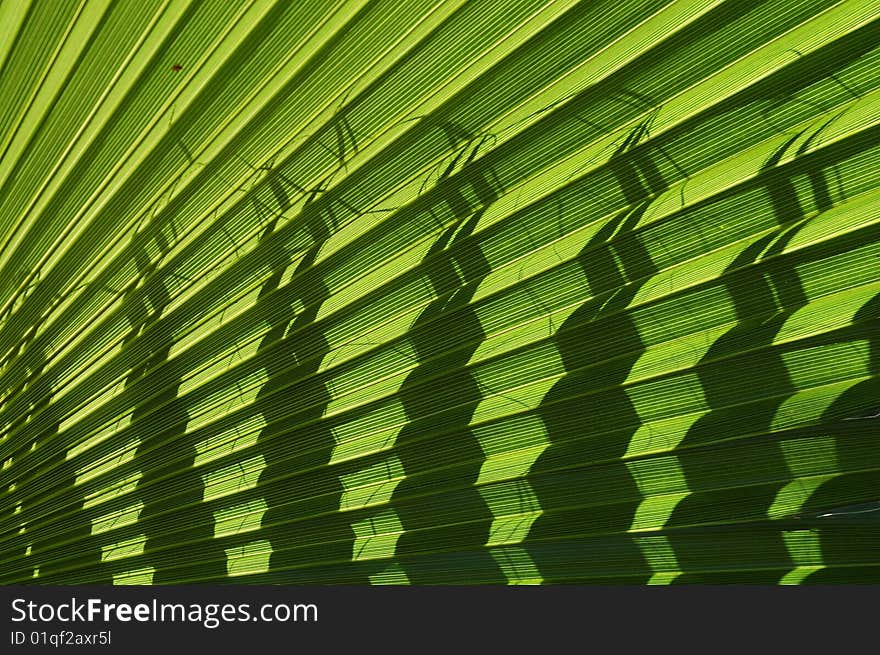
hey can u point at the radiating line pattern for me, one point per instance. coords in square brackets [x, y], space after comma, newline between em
[439, 292]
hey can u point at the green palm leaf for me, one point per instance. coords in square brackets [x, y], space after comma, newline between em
[439, 292]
